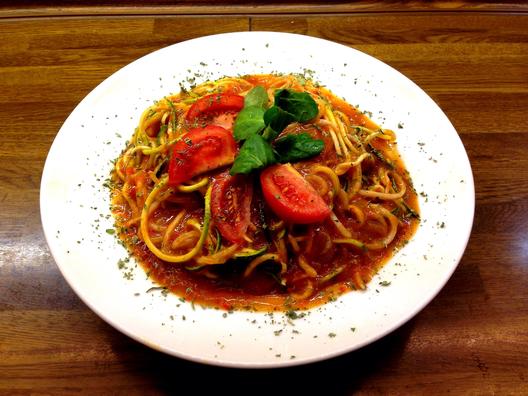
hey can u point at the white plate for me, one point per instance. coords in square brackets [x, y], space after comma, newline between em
[75, 205]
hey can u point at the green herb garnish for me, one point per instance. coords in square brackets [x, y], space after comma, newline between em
[293, 148]
[249, 122]
[258, 126]
[299, 104]
[255, 153]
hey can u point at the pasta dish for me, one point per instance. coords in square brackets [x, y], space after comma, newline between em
[263, 192]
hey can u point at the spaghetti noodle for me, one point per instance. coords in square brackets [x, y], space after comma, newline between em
[224, 240]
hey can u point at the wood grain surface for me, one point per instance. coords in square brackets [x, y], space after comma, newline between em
[471, 58]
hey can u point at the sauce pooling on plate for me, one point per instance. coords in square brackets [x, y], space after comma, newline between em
[261, 192]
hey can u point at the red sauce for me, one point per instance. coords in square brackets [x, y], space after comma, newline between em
[262, 291]
[338, 266]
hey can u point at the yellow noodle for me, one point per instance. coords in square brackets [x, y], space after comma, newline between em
[360, 216]
[332, 274]
[320, 185]
[144, 221]
[373, 136]
[358, 281]
[328, 243]
[172, 225]
[342, 198]
[340, 227]
[157, 227]
[350, 145]
[277, 226]
[148, 117]
[393, 222]
[218, 258]
[156, 239]
[281, 249]
[360, 128]
[307, 292]
[336, 142]
[341, 135]
[153, 177]
[307, 268]
[184, 240]
[131, 203]
[333, 177]
[377, 223]
[382, 195]
[343, 167]
[390, 133]
[262, 259]
[293, 243]
[193, 187]
[352, 242]
[355, 186]
[132, 221]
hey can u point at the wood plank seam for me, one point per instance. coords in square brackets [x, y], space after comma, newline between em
[338, 9]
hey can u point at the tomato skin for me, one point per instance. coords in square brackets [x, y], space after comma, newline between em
[215, 103]
[201, 150]
[291, 197]
[231, 198]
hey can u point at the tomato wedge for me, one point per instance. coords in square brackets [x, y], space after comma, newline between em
[215, 103]
[231, 205]
[225, 120]
[291, 197]
[201, 150]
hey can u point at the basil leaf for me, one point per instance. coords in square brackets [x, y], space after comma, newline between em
[299, 104]
[269, 134]
[277, 119]
[249, 121]
[256, 97]
[297, 147]
[254, 154]
[256, 151]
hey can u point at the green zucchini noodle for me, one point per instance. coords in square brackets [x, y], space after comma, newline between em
[178, 234]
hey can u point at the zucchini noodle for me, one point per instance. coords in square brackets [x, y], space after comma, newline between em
[145, 233]
[262, 259]
[215, 238]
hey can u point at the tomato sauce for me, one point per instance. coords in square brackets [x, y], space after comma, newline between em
[339, 267]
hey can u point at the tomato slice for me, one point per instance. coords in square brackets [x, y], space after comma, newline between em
[201, 150]
[225, 120]
[231, 205]
[291, 197]
[215, 103]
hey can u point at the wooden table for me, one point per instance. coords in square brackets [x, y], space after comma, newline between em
[471, 58]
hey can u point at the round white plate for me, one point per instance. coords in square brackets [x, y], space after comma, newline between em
[75, 204]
